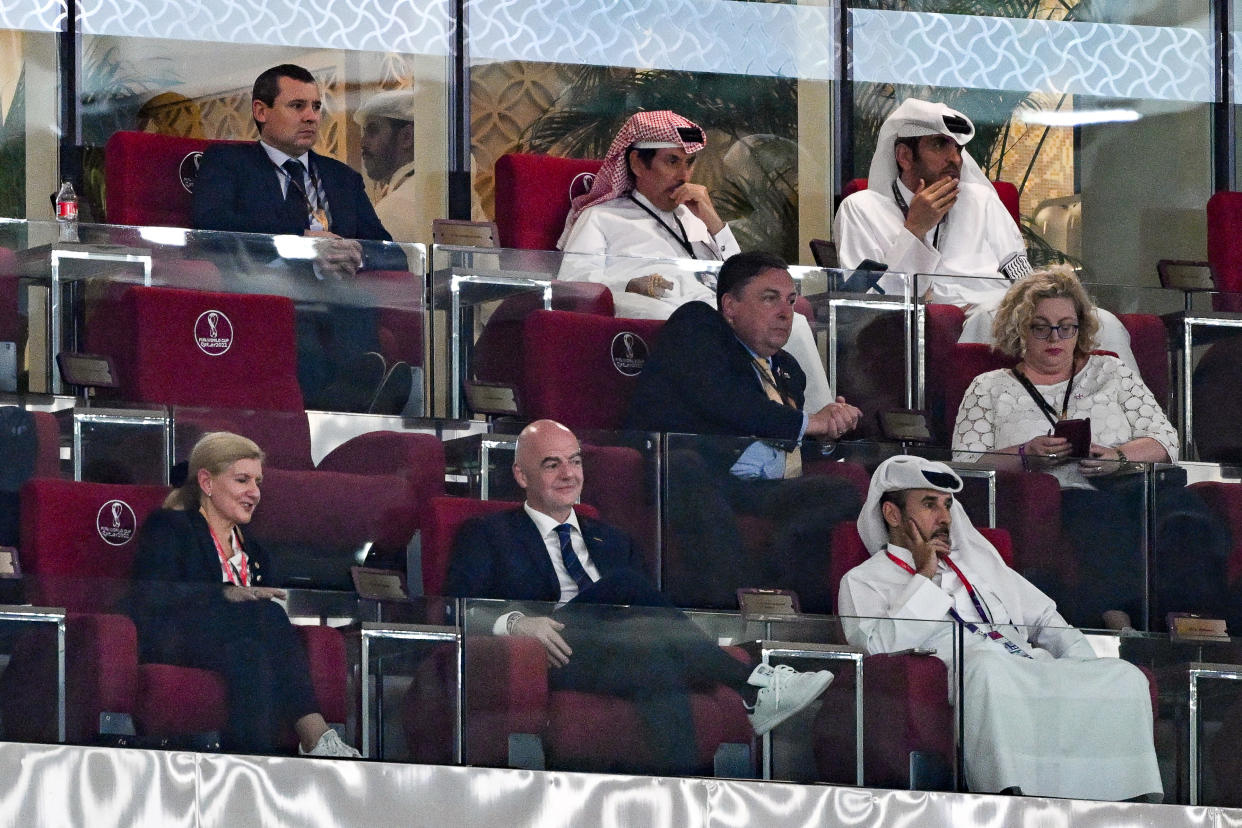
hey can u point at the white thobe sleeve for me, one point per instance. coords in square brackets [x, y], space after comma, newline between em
[862, 234]
[1045, 628]
[585, 251]
[880, 624]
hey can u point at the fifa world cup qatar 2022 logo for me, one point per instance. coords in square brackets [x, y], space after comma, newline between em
[116, 522]
[629, 353]
[213, 332]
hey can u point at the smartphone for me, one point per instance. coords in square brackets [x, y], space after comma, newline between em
[1078, 432]
[864, 277]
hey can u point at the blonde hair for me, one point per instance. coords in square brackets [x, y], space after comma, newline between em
[214, 452]
[1017, 309]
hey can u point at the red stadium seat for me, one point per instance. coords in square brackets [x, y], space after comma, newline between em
[78, 545]
[533, 194]
[149, 178]
[1224, 245]
[499, 354]
[580, 369]
[244, 380]
[507, 688]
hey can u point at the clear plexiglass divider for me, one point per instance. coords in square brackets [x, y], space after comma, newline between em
[341, 320]
[648, 688]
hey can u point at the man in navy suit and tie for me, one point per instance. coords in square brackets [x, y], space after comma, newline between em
[723, 372]
[612, 632]
[279, 186]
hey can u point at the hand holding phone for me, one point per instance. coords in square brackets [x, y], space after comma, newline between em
[1078, 433]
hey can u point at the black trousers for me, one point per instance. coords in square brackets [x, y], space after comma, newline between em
[649, 653]
[255, 647]
[710, 559]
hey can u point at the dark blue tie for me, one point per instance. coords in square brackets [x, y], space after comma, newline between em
[295, 193]
[572, 565]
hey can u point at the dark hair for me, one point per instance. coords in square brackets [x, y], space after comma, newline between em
[644, 155]
[267, 85]
[897, 497]
[740, 268]
[912, 143]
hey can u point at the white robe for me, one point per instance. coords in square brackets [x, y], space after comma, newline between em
[1061, 723]
[997, 412]
[622, 238]
[398, 209]
[975, 237]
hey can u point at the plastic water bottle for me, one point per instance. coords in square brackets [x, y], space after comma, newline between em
[67, 212]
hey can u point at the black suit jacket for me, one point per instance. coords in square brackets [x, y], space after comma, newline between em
[700, 379]
[238, 190]
[177, 569]
[502, 556]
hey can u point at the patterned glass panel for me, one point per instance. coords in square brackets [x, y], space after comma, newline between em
[33, 15]
[410, 26]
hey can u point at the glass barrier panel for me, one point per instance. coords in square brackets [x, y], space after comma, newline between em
[346, 344]
[651, 677]
[1048, 710]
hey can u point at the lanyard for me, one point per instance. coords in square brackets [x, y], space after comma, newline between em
[995, 635]
[1044, 406]
[319, 214]
[233, 574]
[683, 238]
[905, 213]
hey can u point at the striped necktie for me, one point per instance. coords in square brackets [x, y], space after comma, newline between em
[572, 565]
[793, 459]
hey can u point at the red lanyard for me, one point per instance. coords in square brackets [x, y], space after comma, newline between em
[970, 590]
[234, 575]
[995, 635]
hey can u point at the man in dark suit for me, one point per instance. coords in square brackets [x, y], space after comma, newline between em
[613, 632]
[278, 186]
[721, 371]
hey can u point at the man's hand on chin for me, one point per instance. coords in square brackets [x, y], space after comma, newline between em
[697, 201]
[930, 204]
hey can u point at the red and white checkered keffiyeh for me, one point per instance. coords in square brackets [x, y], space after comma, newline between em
[647, 130]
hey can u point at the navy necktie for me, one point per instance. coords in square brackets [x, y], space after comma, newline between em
[572, 565]
[295, 193]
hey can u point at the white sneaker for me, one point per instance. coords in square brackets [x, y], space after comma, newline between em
[783, 692]
[330, 744]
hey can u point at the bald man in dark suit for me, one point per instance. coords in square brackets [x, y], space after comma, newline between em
[596, 640]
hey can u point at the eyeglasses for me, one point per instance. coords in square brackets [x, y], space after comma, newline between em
[1042, 331]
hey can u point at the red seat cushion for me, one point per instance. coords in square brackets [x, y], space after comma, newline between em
[1224, 244]
[148, 178]
[161, 341]
[581, 368]
[533, 195]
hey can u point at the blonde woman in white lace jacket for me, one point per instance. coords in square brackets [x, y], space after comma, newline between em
[1048, 321]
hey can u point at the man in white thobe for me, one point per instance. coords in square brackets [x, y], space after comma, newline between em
[387, 121]
[643, 206]
[1043, 716]
[929, 209]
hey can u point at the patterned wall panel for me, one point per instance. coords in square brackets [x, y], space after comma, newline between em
[411, 26]
[33, 15]
[692, 35]
[1108, 60]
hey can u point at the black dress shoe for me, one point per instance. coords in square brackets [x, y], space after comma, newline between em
[394, 392]
[358, 384]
